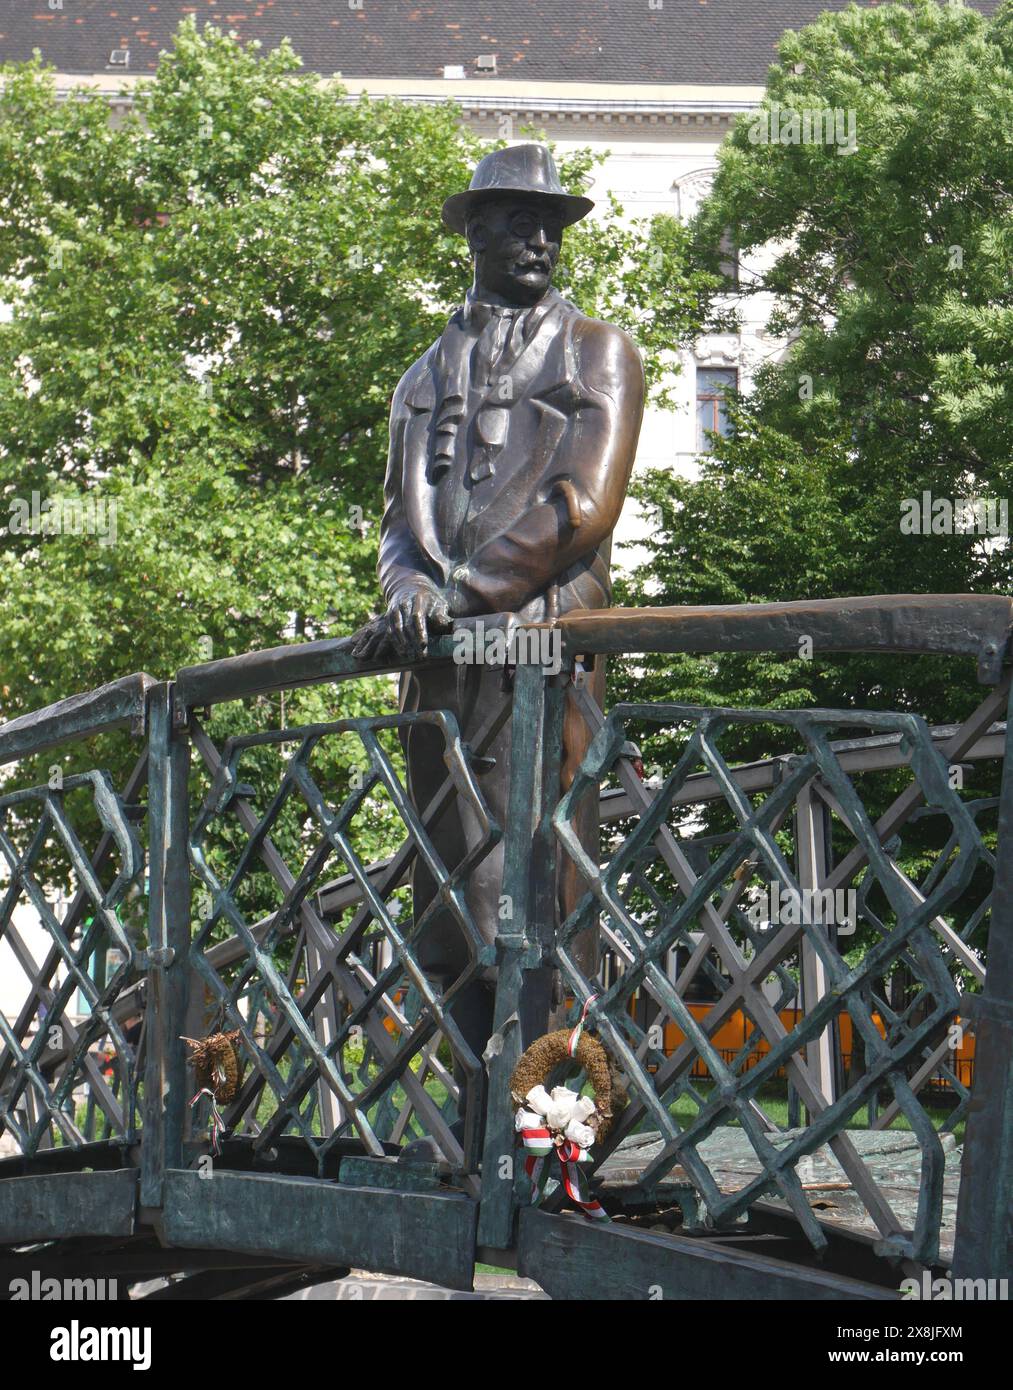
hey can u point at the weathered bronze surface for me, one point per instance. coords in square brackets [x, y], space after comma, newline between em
[977, 625]
[350, 1064]
[511, 444]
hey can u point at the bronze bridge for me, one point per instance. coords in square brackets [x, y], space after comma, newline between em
[776, 1171]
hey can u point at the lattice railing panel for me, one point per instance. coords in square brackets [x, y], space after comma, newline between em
[342, 1032]
[69, 1059]
[679, 910]
[964, 940]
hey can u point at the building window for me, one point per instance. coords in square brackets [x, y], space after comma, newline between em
[729, 264]
[711, 410]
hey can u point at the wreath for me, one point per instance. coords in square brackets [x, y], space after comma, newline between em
[216, 1064]
[562, 1121]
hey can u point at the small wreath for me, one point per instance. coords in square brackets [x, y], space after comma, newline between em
[215, 1062]
[527, 1086]
[564, 1123]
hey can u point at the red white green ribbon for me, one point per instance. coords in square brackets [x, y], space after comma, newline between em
[217, 1122]
[570, 1154]
[538, 1145]
[574, 1040]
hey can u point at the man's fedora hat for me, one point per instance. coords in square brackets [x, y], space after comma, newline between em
[526, 170]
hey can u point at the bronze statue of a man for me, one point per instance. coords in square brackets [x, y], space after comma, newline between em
[511, 444]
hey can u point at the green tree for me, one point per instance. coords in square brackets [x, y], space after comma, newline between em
[891, 273]
[890, 267]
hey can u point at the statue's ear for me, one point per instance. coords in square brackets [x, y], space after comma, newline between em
[478, 235]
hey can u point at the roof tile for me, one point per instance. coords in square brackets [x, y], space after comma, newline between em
[687, 41]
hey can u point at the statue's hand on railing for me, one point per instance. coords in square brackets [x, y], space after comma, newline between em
[373, 640]
[404, 630]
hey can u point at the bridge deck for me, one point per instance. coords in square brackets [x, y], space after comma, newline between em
[893, 1157]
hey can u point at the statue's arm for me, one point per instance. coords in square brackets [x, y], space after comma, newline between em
[414, 597]
[582, 490]
[401, 566]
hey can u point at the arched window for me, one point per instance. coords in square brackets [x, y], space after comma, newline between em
[690, 190]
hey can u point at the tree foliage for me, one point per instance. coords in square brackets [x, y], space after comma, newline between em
[891, 273]
[892, 277]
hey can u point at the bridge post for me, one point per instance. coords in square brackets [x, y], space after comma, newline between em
[813, 857]
[983, 1246]
[169, 944]
[524, 983]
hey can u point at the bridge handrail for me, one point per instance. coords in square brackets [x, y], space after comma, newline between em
[912, 624]
[112, 706]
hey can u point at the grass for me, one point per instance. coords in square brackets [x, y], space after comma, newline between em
[775, 1104]
[773, 1099]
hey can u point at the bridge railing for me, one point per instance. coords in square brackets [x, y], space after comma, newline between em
[348, 1049]
[69, 1065]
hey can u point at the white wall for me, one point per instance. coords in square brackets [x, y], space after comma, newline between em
[672, 176]
[14, 984]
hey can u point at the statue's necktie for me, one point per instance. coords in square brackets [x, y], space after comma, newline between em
[493, 345]
[490, 328]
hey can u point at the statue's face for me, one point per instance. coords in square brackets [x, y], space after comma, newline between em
[516, 245]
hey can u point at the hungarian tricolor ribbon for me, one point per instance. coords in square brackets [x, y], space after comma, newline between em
[570, 1154]
[574, 1040]
[538, 1145]
[217, 1122]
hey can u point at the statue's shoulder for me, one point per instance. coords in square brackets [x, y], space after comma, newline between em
[600, 346]
[417, 375]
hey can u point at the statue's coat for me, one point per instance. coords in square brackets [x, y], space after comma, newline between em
[505, 490]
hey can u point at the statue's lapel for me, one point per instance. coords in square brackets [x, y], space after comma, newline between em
[536, 368]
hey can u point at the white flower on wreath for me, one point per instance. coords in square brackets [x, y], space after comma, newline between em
[580, 1134]
[539, 1100]
[560, 1112]
[564, 1112]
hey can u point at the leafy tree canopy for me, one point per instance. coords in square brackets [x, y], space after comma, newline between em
[210, 305]
[891, 271]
